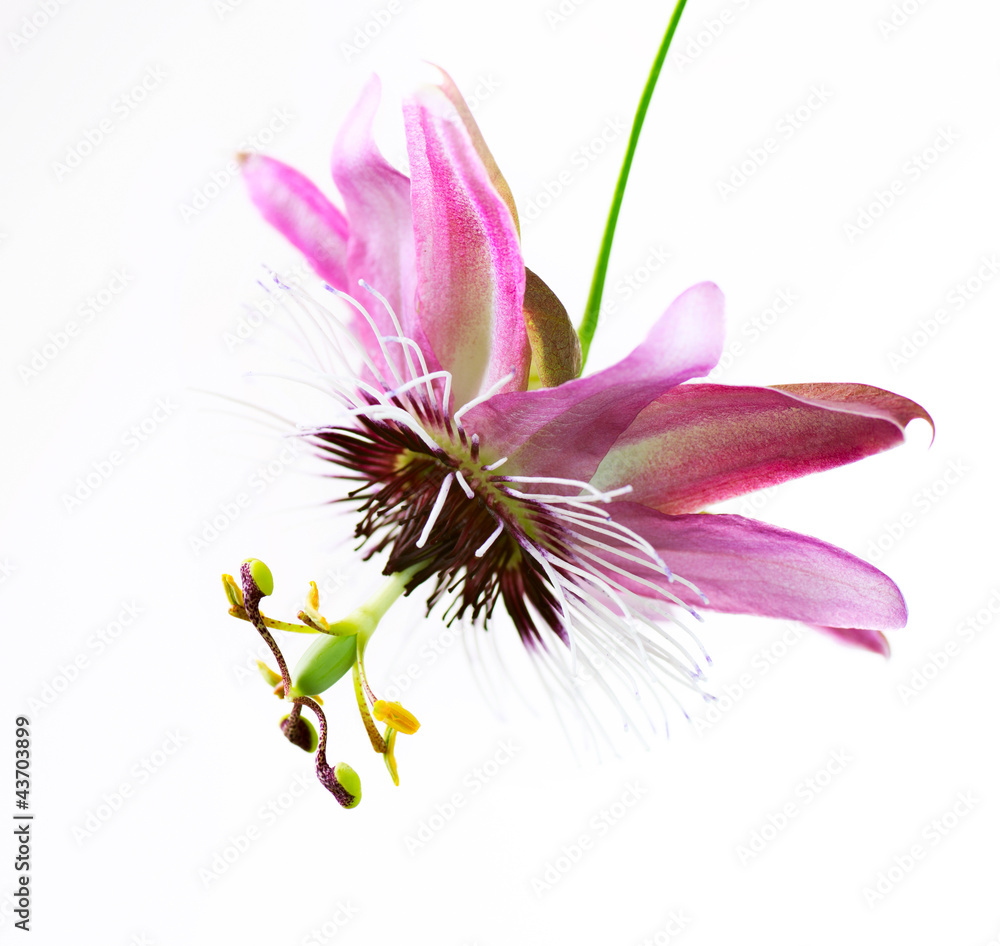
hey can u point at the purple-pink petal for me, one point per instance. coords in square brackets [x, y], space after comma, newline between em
[470, 274]
[744, 566]
[703, 443]
[499, 182]
[299, 210]
[875, 641]
[565, 431]
[377, 200]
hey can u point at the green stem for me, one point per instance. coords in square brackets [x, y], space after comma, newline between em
[593, 310]
[363, 620]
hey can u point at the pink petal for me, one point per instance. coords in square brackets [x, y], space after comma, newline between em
[296, 207]
[377, 200]
[747, 567]
[555, 346]
[470, 274]
[566, 431]
[875, 641]
[860, 398]
[448, 87]
[702, 443]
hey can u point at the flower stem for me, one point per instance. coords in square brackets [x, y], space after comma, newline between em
[593, 310]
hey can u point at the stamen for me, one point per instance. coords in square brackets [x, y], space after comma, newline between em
[490, 467]
[494, 535]
[435, 510]
[474, 446]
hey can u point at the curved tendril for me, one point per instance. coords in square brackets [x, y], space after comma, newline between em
[593, 309]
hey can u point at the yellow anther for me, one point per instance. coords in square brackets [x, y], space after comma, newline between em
[233, 591]
[397, 716]
[310, 613]
[272, 678]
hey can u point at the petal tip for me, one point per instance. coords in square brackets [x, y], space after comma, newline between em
[874, 641]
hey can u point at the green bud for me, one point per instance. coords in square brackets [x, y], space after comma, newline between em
[349, 781]
[324, 663]
[261, 575]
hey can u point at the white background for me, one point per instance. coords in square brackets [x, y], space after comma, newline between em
[164, 721]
